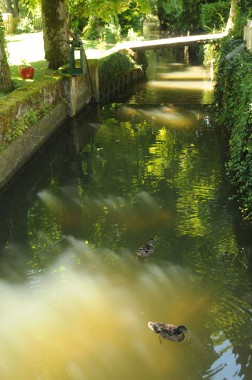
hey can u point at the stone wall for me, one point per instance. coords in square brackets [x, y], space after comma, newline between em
[115, 87]
[22, 148]
[29, 115]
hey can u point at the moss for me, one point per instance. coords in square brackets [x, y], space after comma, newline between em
[23, 108]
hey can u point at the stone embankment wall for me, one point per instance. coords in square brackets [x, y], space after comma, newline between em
[29, 115]
[116, 87]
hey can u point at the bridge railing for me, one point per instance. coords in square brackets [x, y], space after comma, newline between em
[247, 36]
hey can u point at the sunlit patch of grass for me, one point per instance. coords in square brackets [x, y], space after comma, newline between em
[41, 72]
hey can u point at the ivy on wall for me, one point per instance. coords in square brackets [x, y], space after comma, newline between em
[233, 95]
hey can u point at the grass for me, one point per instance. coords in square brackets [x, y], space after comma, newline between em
[41, 72]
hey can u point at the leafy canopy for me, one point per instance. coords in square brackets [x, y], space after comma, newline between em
[105, 9]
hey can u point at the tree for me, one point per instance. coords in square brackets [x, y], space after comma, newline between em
[106, 10]
[54, 17]
[5, 78]
[231, 19]
[11, 6]
[240, 11]
[103, 10]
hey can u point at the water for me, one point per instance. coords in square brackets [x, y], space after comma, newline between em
[75, 300]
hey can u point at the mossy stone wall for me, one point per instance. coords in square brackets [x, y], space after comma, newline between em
[23, 108]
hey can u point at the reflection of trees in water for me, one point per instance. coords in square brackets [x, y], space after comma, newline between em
[129, 177]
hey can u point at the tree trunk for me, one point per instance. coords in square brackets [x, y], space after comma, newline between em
[8, 7]
[231, 18]
[54, 18]
[5, 78]
[15, 8]
[11, 6]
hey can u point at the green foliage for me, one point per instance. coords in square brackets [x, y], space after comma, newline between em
[234, 98]
[94, 28]
[19, 126]
[189, 19]
[179, 16]
[214, 15]
[130, 19]
[114, 65]
[112, 32]
[30, 7]
[75, 9]
[93, 16]
[211, 53]
[243, 12]
[103, 9]
[168, 13]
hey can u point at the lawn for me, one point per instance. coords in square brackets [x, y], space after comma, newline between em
[41, 71]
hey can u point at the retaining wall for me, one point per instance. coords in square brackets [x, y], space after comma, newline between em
[116, 87]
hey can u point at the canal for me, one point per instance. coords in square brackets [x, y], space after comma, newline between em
[75, 298]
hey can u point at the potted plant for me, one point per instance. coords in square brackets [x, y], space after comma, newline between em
[25, 70]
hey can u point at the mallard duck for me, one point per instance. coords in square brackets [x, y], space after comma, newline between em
[146, 250]
[167, 331]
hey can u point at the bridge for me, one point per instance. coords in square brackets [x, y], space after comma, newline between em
[165, 42]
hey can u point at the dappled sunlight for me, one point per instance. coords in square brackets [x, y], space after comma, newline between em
[192, 85]
[190, 73]
[168, 115]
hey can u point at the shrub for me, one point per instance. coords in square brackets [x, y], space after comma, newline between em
[214, 15]
[114, 65]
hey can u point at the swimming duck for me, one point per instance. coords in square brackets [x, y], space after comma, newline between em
[167, 331]
[146, 250]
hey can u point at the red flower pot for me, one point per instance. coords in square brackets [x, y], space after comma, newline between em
[26, 72]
